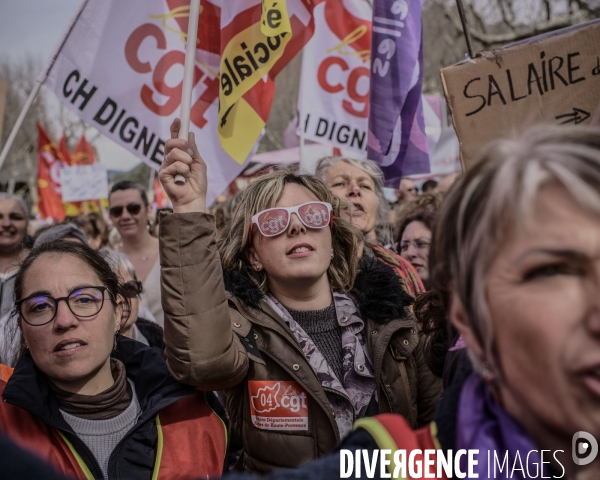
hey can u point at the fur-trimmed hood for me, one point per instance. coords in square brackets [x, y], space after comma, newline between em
[377, 290]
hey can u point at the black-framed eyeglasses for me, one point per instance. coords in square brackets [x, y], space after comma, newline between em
[132, 288]
[84, 302]
[132, 208]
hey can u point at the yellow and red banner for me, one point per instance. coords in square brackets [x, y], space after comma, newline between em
[49, 203]
[120, 69]
[257, 41]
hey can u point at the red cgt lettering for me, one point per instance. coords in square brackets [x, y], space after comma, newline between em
[159, 73]
[351, 85]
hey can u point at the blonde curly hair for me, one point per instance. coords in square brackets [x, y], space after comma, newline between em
[264, 193]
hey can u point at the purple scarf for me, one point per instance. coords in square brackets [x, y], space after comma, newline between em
[485, 426]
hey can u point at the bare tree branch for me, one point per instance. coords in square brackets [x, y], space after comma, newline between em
[508, 14]
[522, 32]
[587, 7]
[548, 9]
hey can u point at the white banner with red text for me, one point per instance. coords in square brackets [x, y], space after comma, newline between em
[120, 69]
[334, 84]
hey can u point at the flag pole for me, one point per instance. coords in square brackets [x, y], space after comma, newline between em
[151, 180]
[188, 75]
[13, 134]
[467, 33]
[302, 124]
[302, 141]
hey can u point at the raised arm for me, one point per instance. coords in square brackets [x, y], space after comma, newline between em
[201, 348]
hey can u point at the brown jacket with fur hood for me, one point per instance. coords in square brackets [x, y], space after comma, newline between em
[221, 335]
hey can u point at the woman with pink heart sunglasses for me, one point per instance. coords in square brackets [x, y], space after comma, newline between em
[280, 313]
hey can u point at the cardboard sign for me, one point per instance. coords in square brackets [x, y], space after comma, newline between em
[278, 405]
[552, 79]
[87, 182]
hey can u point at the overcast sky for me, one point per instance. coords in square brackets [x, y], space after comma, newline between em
[34, 27]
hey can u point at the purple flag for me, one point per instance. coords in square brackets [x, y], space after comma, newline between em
[396, 137]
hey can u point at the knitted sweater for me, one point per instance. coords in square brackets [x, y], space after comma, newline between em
[102, 436]
[324, 330]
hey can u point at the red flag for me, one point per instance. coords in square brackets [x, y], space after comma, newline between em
[83, 153]
[49, 164]
[63, 150]
[160, 199]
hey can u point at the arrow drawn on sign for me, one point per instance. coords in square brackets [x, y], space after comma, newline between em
[577, 116]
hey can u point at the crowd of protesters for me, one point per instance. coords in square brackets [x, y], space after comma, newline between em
[309, 316]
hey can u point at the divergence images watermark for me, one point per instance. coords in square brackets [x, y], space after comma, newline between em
[431, 463]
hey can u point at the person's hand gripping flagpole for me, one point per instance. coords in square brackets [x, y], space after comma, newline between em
[188, 76]
[183, 172]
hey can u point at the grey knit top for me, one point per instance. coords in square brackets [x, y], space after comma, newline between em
[324, 330]
[102, 436]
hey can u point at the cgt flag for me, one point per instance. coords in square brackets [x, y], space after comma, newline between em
[334, 85]
[396, 137]
[120, 68]
[49, 202]
[258, 39]
[83, 153]
[63, 150]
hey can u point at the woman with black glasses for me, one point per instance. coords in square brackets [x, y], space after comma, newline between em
[131, 215]
[90, 402]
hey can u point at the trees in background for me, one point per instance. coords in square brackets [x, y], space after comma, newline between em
[493, 24]
[18, 174]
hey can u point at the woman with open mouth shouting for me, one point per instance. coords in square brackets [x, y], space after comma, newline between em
[360, 184]
[92, 403]
[302, 343]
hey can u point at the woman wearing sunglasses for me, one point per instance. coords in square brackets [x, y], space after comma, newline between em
[92, 403]
[131, 213]
[303, 338]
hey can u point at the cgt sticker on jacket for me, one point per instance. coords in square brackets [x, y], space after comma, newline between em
[278, 405]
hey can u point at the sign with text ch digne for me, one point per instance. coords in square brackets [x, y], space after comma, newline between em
[549, 79]
[120, 69]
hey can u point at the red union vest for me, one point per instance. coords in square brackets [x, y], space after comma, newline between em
[191, 440]
[392, 432]
[5, 372]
